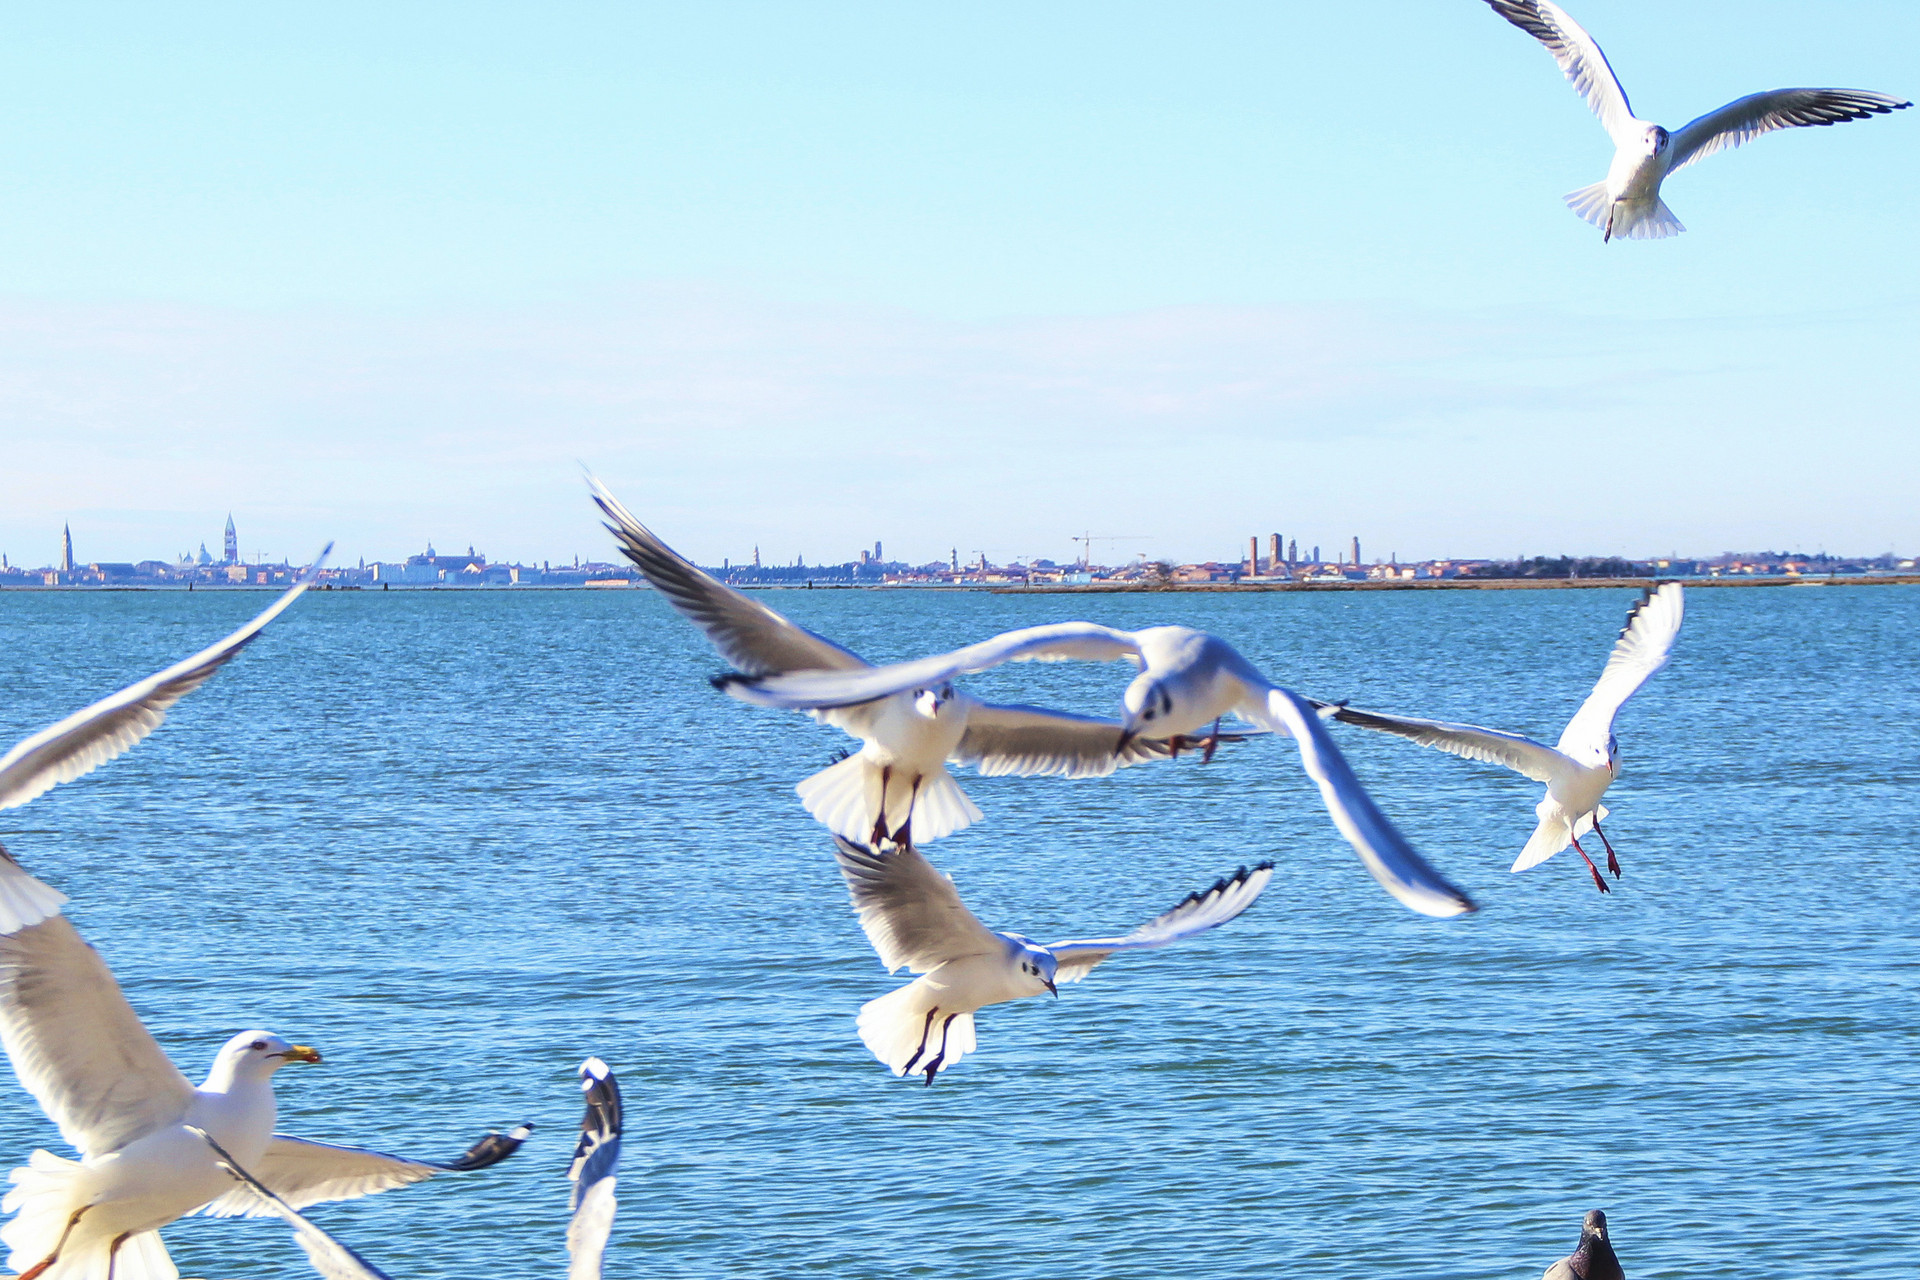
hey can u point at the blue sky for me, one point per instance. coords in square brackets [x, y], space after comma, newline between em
[808, 276]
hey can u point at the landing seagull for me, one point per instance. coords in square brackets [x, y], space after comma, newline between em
[594, 1163]
[78, 1047]
[914, 917]
[1628, 203]
[96, 734]
[1593, 1258]
[1188, 680]
[1586, 760]
[896, 788]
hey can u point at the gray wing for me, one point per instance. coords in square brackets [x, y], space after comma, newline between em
[329, 1257]
[1516, 751]
[818, 690]
[24, 900]
[1644, 645]
[76, 1044]
[1034, 741]
[94, 735]
[1747, 118]
[1393, 862]
[596, 1162]
[911, 913]
[750, 636]
[303, 1173]
[1561, 1270]
[1196, 913]
[1579, 57]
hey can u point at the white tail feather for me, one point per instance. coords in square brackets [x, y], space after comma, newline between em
[846, 797]
[45, 1193]
[24, 900]
[899, 1032]
[1624, 219]
[1550, 837]
[1591, 203]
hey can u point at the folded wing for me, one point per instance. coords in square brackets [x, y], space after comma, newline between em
[1579, 57]
[1644, 645]
[1745, 119]
[1516, 751]
[815, 690]
[94, 735]
[911, 913]
[1393, 862]
[751, 637]
[76, 1044]
[304, 1173]
[1194, 914]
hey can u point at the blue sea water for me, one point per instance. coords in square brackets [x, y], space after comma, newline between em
[458, 841]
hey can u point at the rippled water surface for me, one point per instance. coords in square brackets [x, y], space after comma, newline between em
[459, 841]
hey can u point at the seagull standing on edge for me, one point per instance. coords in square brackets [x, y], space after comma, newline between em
[1584, 764]
[1628, 203]
[1187, 682]
[914, 917]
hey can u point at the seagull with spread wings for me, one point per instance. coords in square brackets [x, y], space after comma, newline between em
[96, 734]
[1628, 202]
[78, 1047]
[914, 917]
[1188, 681]
[1580, 768]
[595, 1162]
[895, 788]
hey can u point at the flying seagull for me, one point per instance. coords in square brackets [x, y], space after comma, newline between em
[594, 1163]
[96, 734]
[1593, 1258]
[895, 788]
[1580, 768]
[1628, 203]
[914, 917]
[78, 1047]
[1188, 680]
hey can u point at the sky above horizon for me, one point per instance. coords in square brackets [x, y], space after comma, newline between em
[804, 278]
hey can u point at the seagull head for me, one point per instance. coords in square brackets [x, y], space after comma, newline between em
[258, 1054]
[1656, 140]
[1148, 703]
[1035, 966]
[1613, 766]
[928, 702]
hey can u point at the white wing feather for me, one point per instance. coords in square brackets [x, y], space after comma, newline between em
[911, 913]
[1055, 642]
[1745, 119]
[78, 1047]
[1194, 914]
[1400, 870]
[1520, 753]
[305, 1173]
[594, 1172]
[1642, 649]
[94, 735]
[329, 1257]
[1035, 741]
[1579, 56]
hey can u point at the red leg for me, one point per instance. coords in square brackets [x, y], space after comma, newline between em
[32, 1272]
[1213, 742]
[1598, 883]
[1613, 863]
[933, 1068]
[904, 836]
[924, 1031]
[880, 821]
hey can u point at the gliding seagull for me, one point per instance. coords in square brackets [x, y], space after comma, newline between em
[1188, 680]
[914, 917]
[78, 1047]
[1628, 202]
[1586, 760]
[896, 788]
[96, 734]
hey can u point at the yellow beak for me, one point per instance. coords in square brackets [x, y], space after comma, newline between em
[301, 1053]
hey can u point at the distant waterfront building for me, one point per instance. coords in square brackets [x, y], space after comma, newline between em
[66, 548]
[203, 558]
[1356, 549]
[877, 557]
[956, 560]
[232, 544]
[756, 556]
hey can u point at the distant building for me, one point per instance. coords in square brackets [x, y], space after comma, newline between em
[232, 544]
[66, 548]
[203, 558]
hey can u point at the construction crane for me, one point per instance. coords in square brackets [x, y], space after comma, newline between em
[1086, 541]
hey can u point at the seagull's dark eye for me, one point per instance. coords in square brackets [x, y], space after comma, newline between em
[257, 1045]
[1148, 714]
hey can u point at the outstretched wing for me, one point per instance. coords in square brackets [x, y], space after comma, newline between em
[76, 1044]
[1400, 870]
[329, 1257]
[1579, 57]
[1516, 751]
[24, 900]
[1641, 650]
[596, 1162]
[1745, 119]
[1195, 913]
[303, 1173]
[911, 913]
[1030, 741]
[750, 636]
[818, 690]
[94, 735]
